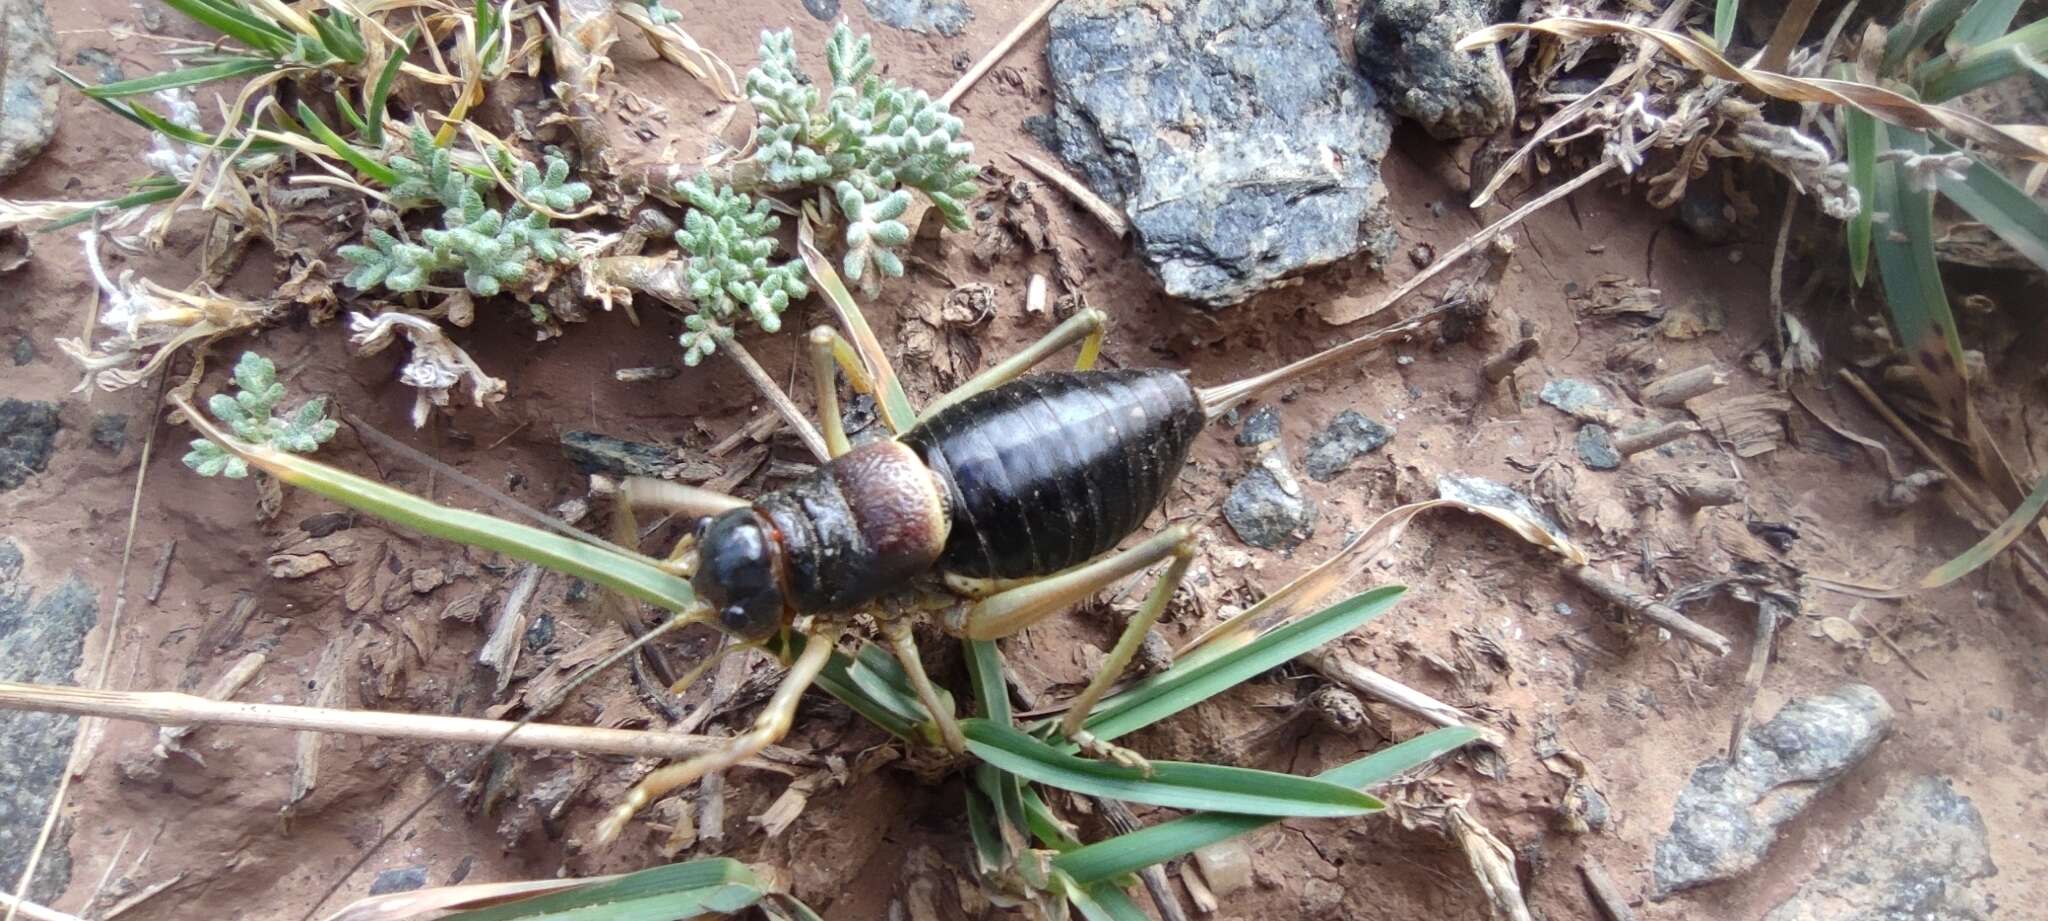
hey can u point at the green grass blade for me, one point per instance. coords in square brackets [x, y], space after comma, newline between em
[1912, 279]
[1177, 784]
[340, 35]
[878, 675]
[1993, 543]
[1129, 853]
[893, 402]
[1724, 22]
[992, 695]
[600, 564]
[1985, 21]
[836, 679]
[1949, 76]
[683, 890]
[348, 112]
[1904, 38]
[157, 191]
[379, 93]
[982, 829]
[1103, 902]
[238, 24]
[1206, 674]
[343, 149]
[184, 76]
[1860, 137]
[1985, 194]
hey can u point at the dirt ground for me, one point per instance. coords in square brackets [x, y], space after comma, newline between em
[218, 837]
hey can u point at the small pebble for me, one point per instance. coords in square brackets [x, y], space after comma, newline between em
[1596, 448]
[1262, 426]
[405, 879]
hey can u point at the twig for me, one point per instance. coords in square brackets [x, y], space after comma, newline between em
[1493, 864]
[1701, 490]
[1500, 366]
[995, 55]
[1605, 897]
[756, 429]
[805, 431]
[1648, 608]
[501, 650]
[711, 809]
[32, 911]
[149, 892]
[1341, 670]
[1767, 616]
[1990, 512]
[1637, 443]
[163, 572]
[1154, 876]
[168, 738]
[1110, 216]
[1674, 389]
[169, 708]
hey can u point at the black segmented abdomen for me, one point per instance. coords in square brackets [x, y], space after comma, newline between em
[1051, 470]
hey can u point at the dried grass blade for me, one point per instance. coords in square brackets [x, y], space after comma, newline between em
[2026, 141]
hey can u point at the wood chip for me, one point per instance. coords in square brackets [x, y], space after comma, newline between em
[1749, 425]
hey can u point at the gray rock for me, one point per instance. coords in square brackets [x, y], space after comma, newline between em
[24, 351]
[1482, 491]
[1596, 448]
[1728, 814]
[110, 432]
[1232, 134]
[105, 67]
[824, 10]
[1262, 426]
[402, 879]
[41, 641]
[28, 429]
[1408, 49]
[1267, 508]
[1583, 399]
[28, 83]
[1331, 450]
[946, 17]
[595, 453]
[1913, 859]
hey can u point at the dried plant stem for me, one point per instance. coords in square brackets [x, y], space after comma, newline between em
[731, 348]
[1341, 670]
[1606, 897]
[1768, 614]
[168, 708]
[1984, 512]
[1110, 215]
[1648, 608]
[1500, 366]
[995, 55]
[224, 687]
[32, 911]
[1154, 876]
[1675, 388]
[1628, 445]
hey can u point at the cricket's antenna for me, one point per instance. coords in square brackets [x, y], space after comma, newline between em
[1222, 398]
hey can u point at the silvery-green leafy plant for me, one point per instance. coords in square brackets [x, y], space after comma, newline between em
[870, 140]
[727, 235]
[251, 413]
[493, 248]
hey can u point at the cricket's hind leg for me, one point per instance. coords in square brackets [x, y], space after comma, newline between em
[769, 727]
[1013, 609]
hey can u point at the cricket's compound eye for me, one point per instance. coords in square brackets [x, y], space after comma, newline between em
[737, 563]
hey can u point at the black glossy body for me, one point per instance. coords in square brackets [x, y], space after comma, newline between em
[1049, 471]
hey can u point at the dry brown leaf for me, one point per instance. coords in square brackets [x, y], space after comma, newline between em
[2025, 141]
